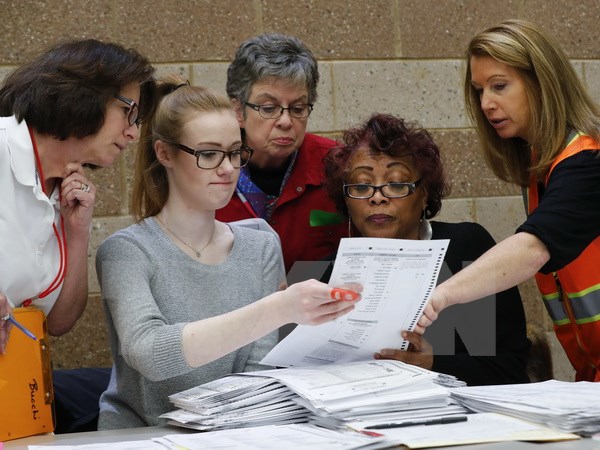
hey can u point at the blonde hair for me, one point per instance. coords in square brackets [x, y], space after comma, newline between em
[177, 99]
[558, 101]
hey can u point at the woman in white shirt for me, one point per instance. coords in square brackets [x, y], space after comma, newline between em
[79, 104]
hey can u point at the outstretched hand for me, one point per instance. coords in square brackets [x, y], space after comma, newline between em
[419, 353]
[312, 302]
[437, 302]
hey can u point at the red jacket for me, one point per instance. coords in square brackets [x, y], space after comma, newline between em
[301, 195]
[572, 294]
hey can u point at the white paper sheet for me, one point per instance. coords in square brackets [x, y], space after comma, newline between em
[398, 277]
[360, 381]
[479, 428]
[272, 437]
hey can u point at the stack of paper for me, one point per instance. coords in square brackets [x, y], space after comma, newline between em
[331, 396]
[565, 406]
[236, 401]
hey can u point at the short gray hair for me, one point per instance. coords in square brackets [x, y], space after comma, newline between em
[272, 55]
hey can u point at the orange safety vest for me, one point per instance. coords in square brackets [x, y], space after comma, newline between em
[572, 294]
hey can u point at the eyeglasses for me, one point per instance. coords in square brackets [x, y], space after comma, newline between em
[133, 114]
[300, 111]
[211, 159]
[388, 190]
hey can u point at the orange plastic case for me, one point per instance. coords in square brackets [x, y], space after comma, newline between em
[26, 396]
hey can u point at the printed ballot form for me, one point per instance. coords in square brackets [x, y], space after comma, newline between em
[398, 277]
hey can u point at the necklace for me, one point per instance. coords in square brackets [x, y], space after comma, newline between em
[198, 253]
[60, 237]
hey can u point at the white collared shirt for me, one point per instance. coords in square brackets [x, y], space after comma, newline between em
[29, 249]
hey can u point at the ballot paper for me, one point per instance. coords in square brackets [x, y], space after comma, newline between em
[269, 437]
[478, 428]
[562, 405]
[330, 396]
[398, 277]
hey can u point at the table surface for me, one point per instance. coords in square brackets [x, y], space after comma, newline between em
[133, 434]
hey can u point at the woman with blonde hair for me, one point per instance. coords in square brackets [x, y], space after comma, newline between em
[190, 299]
[539, 129]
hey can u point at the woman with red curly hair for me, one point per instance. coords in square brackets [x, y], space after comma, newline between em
[387, 179]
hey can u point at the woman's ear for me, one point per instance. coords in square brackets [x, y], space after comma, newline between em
[425, 198]
[238, 109]
[163, 153]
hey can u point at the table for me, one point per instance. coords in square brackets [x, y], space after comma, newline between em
[133, 434]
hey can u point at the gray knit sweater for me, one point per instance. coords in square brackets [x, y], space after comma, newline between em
[151, 289]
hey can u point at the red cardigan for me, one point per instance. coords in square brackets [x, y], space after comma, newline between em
[302, 194]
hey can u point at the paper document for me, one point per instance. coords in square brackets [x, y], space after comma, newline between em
[478, 428]
[563, 405]
[398, 277]
[330, 396]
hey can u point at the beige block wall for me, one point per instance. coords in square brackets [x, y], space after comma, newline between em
[398, 56]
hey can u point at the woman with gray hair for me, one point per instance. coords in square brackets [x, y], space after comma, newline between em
[272, 82]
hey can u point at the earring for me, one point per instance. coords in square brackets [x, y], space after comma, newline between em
[425, 231]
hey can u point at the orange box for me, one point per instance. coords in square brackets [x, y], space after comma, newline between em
[26, 395]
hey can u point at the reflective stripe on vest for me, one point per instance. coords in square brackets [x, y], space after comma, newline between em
[576, 315]
[585, 306]
[554, 306]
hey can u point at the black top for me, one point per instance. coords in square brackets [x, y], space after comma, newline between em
[567, 217]
[499, 319]
[492, 326]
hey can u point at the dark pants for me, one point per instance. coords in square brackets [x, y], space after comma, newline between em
[76, 396]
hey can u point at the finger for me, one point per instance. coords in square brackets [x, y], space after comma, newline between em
[76, 182]
[398, 355]
[415, 339]
[344, 294]
[356, 287]
[323, 292]
[77, 190]
[419, 329]
[335, 306]
[72, 168]
[391, 353]
[331, 316]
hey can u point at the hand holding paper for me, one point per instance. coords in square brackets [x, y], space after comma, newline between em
[398, 277]
[419, 352]
[312, 302]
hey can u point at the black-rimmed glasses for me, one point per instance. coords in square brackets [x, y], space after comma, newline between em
[133, 116]
[299, 111]
[389, 190]
[211, 159]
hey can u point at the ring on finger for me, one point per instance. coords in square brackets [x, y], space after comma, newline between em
[5, 317]
[85, 187]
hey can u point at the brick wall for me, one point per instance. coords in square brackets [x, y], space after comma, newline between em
[398, 56]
